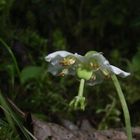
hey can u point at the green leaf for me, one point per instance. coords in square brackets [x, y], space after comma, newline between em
[136, 62]
[29, 73]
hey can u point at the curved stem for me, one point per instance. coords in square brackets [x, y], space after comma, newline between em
[81, 88]
[12, 56]
[124, 107]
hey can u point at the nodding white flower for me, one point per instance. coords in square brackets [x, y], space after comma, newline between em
[93, 67]
[62, 63]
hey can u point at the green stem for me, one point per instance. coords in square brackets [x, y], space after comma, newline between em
[124, 107]
[12, 56]
[81, 87]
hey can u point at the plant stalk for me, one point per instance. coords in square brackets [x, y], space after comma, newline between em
[124, 107]
[81, 88]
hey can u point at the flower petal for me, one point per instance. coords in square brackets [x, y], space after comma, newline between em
[119, 72]
[62, 63]
[51, 56]
[54, 70]
[97, 78]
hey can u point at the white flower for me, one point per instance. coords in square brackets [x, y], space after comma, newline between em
[119, 72]
[52, 56]
[93, 67]
[62, 63]
[104, 65]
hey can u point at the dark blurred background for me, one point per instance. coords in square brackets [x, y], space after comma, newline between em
[34, 28]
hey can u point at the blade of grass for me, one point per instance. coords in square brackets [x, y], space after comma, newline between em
[6, 110]
[12, 56]
[12, 119]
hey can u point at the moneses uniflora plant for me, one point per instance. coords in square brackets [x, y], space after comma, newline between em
[91, 69]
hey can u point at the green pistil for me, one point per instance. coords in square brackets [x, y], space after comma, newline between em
[84, 74]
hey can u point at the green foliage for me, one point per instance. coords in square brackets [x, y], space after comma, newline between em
[6, 133]
[5, 7]
[112, 115]
[13, 119]
[42, 27]
[31, 38]
[30, 73]
[135, 64]
[59, 42]
[2, 4]
[8, 49]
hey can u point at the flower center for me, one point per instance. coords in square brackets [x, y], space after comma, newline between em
[63, 72]
[106, 73]
[67, 61]
[95, 66]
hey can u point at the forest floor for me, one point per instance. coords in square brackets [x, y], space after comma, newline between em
[69, 131]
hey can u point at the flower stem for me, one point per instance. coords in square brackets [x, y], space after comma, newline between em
[81, 88]
[124, 107]
[79, 101]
